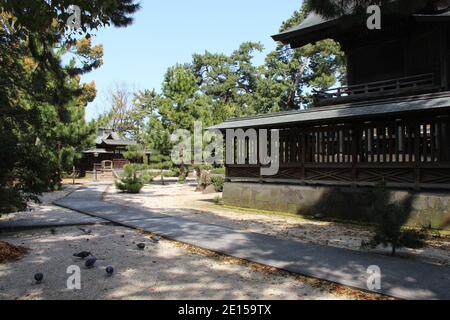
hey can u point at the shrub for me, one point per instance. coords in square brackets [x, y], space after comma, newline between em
[169, 174]
[130, 182]
[391, 219]
[148, 177]
[220, 170]
[134, 153]
[202, 167]
[218, 183]
[181, 179]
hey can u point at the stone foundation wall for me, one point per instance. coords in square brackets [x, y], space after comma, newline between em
[428, 209]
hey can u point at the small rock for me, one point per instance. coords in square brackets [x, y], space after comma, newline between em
[141, 246]
[210, 189]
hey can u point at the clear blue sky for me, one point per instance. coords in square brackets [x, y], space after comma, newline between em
[166, 32]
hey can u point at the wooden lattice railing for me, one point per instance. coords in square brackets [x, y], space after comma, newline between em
[405, 152]
[392, 86]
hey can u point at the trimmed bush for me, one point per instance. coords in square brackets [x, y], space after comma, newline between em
[129, 181]
[202, 167]
[181, 179]
[169, 174]
[220, 170]
[148, 177]
[218, 183]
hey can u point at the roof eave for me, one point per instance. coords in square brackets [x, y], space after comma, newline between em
[311, 34]
[341, 112]
[431, 18]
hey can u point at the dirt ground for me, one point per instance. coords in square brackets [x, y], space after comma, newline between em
[166, 270]
[45, 209]
[287, 226]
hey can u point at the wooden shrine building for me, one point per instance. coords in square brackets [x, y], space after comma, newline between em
[107, 155]
[390, 123]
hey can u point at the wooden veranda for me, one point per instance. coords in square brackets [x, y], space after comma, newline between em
[359, 145]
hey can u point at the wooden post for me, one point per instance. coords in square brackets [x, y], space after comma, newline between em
[443, 58]
[303, 155]
[354, 154]
[417, 155]
[261, 178]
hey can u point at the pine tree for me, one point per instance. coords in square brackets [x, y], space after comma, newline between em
[41, 100]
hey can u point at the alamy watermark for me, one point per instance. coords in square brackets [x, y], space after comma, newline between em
[374, 20]
[74, 20]
[252, 147]
[74, 280]
[374, 279]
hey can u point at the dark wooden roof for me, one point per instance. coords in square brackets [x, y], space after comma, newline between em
[381, 108]
[315, 27]
[439, 17]
[113, 139]
[118, 142]
[99, 151]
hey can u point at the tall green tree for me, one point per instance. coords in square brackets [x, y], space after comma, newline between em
[289, 75]
[42, 100]
[228, 81]
[214, 87]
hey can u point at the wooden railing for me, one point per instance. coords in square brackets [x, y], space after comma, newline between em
[360, 91]
[408, 152]
[117, 164]
[120, 163]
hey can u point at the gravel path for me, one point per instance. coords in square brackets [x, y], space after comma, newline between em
[46, 214]
[165, 270]
[401, 278]
[175, 196]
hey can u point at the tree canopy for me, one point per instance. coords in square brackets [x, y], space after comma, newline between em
[213, 87]
[42, 101]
